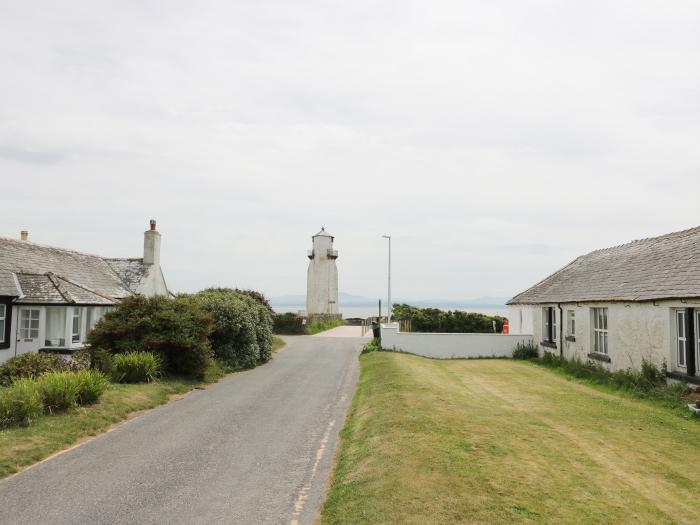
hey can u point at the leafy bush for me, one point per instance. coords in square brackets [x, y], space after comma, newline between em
[31, 365]
[242, 333]
[525, 351]
[372, 346]
[135, 367]
[20, 403]
[58, 390]
[91, 385]
[289, 324]
[454, 321]
[175, 329]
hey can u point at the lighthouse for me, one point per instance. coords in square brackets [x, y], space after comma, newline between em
[322, 277]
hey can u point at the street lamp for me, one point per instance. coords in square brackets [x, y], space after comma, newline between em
[388, 315]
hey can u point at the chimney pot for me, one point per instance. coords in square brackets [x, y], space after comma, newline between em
[153, 224]
[24, 235]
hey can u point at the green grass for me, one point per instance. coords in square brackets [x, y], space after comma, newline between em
[497, 441]
[321, 325]
[277, 344]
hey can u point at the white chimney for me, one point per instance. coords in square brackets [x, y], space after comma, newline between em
[151, 245]
[24, 235]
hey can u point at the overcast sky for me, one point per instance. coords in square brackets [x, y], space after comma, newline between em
[495, 141]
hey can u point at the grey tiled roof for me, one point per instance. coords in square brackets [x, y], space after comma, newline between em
[665, 267]
[84, 277]
[130, 271]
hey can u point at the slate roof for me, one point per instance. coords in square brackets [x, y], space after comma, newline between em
[130, 271]
[51, 275]
[665, 267]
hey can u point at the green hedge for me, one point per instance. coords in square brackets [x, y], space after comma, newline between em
[289, 324]
[177, 330]
[453, 321]
[242, 326]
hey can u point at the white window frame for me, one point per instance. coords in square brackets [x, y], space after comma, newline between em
[600, 331]
[26, 330]
[3, 320]
[571, 322]
[545, 324]
[681, 337]
[76, 337]
[554, 324]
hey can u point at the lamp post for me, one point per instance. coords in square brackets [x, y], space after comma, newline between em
[388, 306]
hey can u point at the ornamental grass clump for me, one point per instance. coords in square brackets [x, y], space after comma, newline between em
[91, 385]
[135, 367]
[525, 351]
[20, 403]
[58, 390]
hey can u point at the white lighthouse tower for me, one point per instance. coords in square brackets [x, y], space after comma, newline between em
[322, 277]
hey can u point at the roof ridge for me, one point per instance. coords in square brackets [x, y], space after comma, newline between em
[50, 247]
[644, 239]
[104, 296]
[61, 290]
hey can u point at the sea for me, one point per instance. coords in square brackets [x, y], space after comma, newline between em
[371, 311]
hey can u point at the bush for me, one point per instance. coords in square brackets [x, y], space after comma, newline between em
[242, 334]
[20, 403]
[31, 365]
[177, 330]
[91, 386]
[135, 367]
[58, 390]
[455, 321]
[525, 351]
[289, 324]
[372, 346]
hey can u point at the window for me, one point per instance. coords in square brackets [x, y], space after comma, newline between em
[3, 316]
[3, 309]
[55, 332]
[29, 323]
[571, 322]
[600, 330]
[681, 336]
[77, 324]
[549, 324]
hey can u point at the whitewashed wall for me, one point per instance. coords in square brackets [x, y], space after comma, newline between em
[451, 346]
[520, 319]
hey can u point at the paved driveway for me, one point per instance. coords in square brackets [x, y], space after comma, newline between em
[257, 447]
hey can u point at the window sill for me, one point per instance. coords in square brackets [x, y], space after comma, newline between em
[680, 376]
[61, 350]
[599, 357]
[570, 338]
[549, 344]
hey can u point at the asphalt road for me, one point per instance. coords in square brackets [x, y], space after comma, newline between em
[257, 447]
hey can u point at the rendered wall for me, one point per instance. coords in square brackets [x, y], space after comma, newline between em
[451, 346]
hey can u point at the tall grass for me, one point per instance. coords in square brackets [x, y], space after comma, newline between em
[20, 403]
[135, 367]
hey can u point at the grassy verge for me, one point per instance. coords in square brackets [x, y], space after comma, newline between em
[494, 441]
[277, 344]
[318, 326]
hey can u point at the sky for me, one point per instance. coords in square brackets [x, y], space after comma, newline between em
[494, 141]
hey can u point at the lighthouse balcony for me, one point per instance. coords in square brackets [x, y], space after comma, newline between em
[332, 254]
[310, 254]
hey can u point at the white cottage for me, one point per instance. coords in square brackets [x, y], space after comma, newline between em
[621, 305]
[51, 297]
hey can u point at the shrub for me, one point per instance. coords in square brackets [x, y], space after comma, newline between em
[31, 365]
[58, 390]
[177, 330]
[20, 403]
[321, 323]
[372, 346]
[289, 324]
[242, 334]
[525, 351]
[135, 367]
[91, 385]
[454, 321]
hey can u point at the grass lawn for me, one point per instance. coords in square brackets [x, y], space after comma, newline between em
[318, 326]
[494, 441]
[22, 446]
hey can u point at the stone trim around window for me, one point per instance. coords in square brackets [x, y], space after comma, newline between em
[599, 357]
[549, 344]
